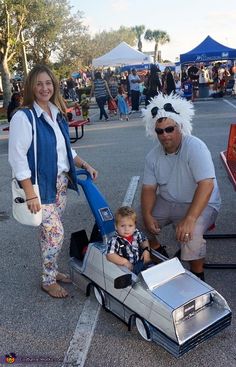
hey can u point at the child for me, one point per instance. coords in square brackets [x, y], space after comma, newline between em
[188, 90]
[122, 104]
[85, 107]
[112, 107]
[128, 247]
[77, 109]
[113, 86]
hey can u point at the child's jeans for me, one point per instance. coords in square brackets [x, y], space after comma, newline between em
[140, 266]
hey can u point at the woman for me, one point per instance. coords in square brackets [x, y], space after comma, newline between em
[55, 166]
[169, 83]
[100, 90]
[153, 84]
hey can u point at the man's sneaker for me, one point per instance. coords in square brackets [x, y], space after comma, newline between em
[162, 251]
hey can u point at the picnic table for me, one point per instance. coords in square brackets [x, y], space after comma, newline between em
[74, 117]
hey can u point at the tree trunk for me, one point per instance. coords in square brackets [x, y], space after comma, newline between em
[6, 85]
[24, 56]
[140, 46]
[155, 52]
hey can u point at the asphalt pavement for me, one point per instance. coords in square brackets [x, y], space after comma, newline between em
[37, 327]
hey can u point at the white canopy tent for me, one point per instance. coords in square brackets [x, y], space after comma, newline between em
[123, 54]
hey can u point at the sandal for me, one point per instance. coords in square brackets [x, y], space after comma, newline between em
[54, 290]
[64, 278]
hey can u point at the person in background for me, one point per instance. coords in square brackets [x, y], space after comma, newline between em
[16, 100]
[134, 81]
[122, 104]
[71, 88]
[84, 103]
[153, 85]
[113, 86]
[56, 163]
[101, 91]
[187, 88]
[177, 84]
[179, 184]
[168, 82]
[192, 72]
[203, 78]
[128, 247]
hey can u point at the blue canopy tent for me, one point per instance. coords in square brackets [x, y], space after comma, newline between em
[209, 50]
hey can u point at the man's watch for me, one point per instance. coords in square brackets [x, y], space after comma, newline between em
[146, 248]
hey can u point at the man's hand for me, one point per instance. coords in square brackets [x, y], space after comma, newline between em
[152, 225]
[184, 229]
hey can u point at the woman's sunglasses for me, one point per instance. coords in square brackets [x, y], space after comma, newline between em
[167, 107]
[168, 130]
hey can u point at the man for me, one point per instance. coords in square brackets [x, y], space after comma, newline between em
[179, 184]
[134, 81]
[192, 72]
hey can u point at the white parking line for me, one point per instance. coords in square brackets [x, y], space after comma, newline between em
[79, 345]
[81, 340]
[231, 104]
[129, 197]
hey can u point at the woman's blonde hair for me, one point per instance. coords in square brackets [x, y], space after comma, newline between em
[30, 83]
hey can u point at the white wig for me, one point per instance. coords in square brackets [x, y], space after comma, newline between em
[183, 114]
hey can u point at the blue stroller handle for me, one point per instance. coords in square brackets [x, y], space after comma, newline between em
[98, 204]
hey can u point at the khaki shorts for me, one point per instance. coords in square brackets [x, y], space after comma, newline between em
[167, 212]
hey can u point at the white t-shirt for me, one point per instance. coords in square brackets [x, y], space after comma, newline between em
[134, 86]
[177, 175]
[203, 76]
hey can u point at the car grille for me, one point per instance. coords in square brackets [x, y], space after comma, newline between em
[179, 350]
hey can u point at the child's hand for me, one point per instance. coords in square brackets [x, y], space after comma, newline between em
[146, 256]
[128, 264]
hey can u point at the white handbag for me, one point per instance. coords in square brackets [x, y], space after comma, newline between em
[20, 209]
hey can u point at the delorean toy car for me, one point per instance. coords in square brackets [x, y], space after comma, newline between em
[167, 303]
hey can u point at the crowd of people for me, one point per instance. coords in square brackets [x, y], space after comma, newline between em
[123, 92]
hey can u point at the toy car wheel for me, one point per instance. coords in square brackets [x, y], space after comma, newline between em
[99, 295]
[143, 328]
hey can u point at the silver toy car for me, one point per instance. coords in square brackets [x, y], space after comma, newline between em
[167, 303]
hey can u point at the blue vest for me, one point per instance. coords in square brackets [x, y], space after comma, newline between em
[47, 156]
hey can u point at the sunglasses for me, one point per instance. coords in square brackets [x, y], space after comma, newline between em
[168, 130]
[167, 107]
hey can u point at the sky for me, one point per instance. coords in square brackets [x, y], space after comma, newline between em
[187, 22]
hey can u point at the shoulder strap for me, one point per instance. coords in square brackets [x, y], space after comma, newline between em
[28, 114]
[31, 117]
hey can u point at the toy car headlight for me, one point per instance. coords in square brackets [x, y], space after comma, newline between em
[202, 301]
[178, 314]
[190, 308]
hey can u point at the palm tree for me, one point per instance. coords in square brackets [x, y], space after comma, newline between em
[159, 37]
[139, 30]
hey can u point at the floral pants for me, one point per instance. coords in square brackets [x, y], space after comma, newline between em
[52, 232]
